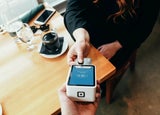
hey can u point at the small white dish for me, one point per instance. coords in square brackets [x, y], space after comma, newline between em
[64, 48]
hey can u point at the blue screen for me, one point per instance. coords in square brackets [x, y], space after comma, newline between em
[82, 75]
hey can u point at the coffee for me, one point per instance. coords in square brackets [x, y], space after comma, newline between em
[51, 41]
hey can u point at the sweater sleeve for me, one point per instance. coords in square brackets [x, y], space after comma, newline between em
[76, 14]
[137, 32]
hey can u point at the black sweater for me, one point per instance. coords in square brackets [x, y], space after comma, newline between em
[93, 17]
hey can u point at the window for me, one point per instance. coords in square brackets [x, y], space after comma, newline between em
[59, 5]
[10, 9]
[55, 2]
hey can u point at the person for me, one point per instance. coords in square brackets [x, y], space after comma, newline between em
[115, 27]
[69, 107]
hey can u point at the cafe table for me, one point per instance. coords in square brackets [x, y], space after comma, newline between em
[29, 81]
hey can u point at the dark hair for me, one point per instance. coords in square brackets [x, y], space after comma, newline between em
[125, 6]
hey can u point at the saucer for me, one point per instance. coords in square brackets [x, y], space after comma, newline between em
[64, 48]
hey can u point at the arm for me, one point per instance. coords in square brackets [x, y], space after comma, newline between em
[75, 16]
[75, 20]
[80, 48]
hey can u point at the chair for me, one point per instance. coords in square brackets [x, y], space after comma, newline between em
[113, 81]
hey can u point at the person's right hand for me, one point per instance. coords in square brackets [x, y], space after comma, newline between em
[79, 50]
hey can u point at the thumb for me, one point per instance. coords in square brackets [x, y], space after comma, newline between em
[80, 57]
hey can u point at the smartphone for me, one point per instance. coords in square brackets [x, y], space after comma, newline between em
[44, 16]
[82, 75]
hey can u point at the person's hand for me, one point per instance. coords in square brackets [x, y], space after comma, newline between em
[79, 50]
[110, 49]
[69, 107]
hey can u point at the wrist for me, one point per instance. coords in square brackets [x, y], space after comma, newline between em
[81, 35]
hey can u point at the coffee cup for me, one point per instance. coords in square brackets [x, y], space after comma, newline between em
[51, 41]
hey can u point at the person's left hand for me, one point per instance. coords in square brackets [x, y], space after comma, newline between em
[69, 107]
[110, 49]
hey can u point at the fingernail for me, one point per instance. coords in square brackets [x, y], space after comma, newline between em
[80, 63]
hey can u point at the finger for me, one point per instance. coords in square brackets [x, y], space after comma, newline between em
[80, 57]
[100, 47]
[98, 89]
[98, 82]
[62, 88]
[71, 61]
[98, 97]
[71, 57]
[98, 86]
[62, 94]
